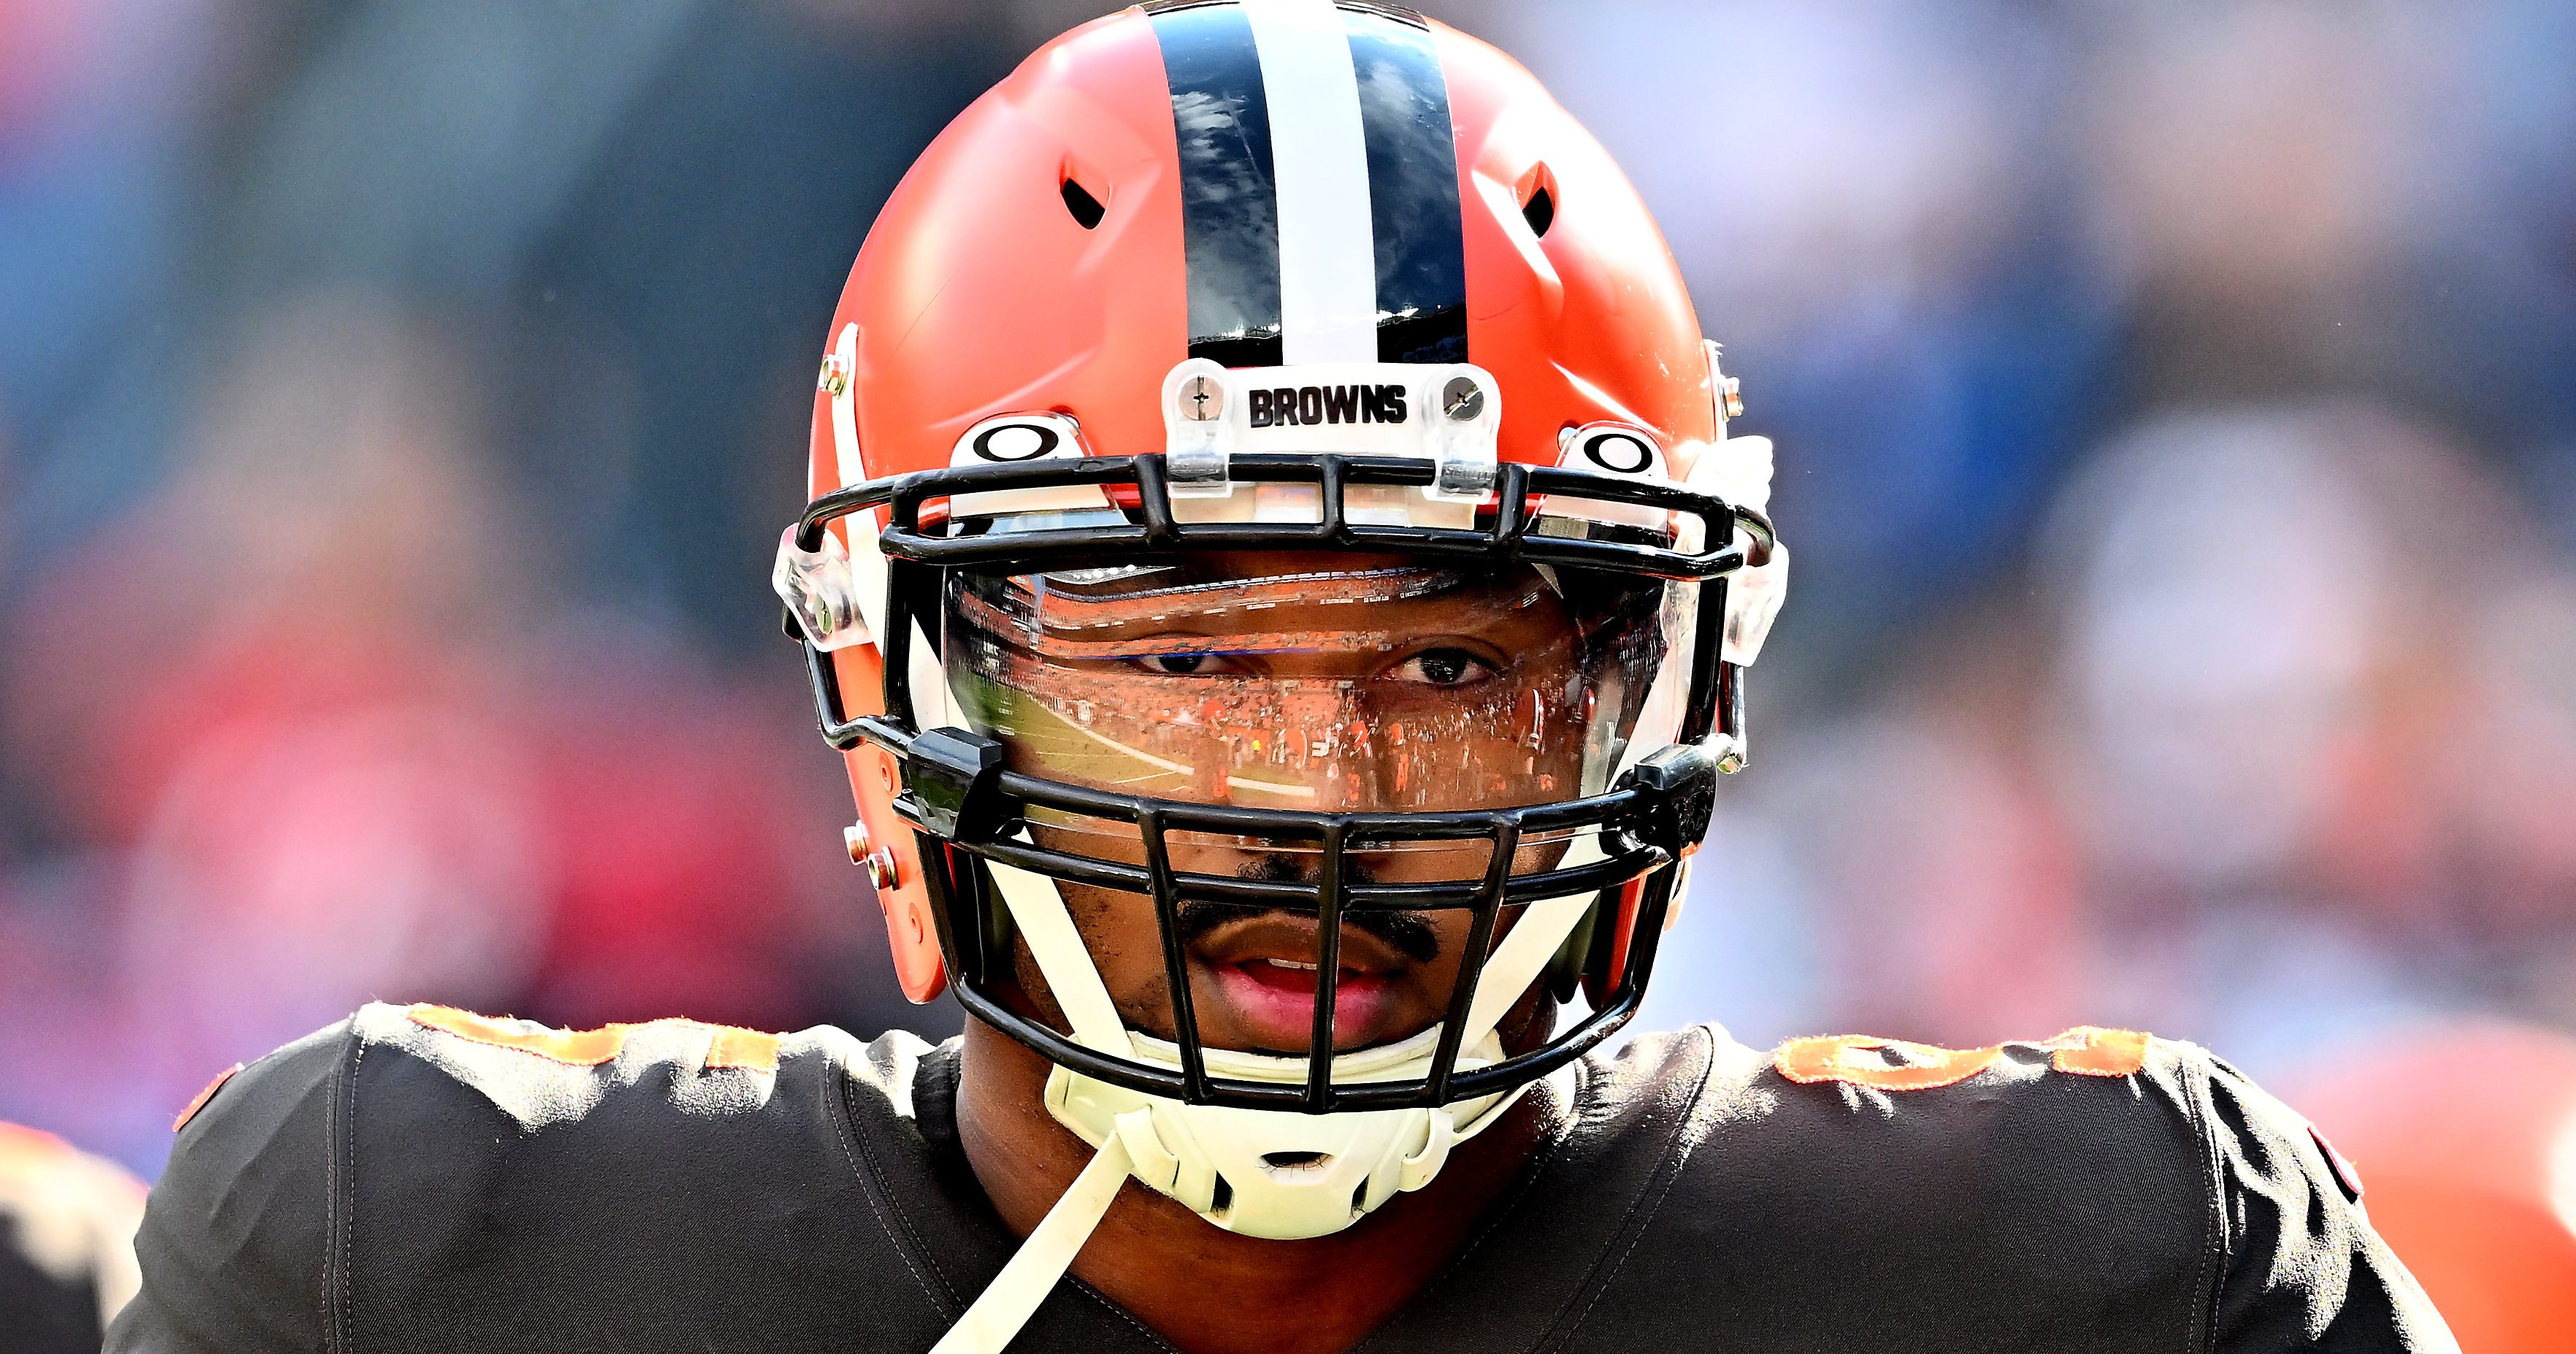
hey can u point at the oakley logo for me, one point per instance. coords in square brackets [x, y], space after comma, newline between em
[1015, 442]
[1294, 406]
[1619, 453]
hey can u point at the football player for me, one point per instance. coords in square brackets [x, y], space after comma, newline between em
[1282, 585]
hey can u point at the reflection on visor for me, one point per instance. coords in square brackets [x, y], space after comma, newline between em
[1061, 821]
[1265, 681]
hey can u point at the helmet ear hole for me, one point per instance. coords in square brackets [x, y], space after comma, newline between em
[1540, 212]
[1086, 209]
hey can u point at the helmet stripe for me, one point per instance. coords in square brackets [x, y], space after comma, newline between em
[1319, 183]
[1413, 190]
[1229, 202]
[1327, 277]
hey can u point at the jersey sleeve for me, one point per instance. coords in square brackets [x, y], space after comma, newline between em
[2302, 1267]
[236, 1239]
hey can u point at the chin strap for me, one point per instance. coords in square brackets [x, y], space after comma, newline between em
[1013, 1297]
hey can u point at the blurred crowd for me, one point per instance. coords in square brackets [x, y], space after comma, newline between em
[2178, 413]
[399, 400]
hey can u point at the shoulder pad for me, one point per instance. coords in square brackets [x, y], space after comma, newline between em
[1900, 1065]
[541, 1075]
[726, 1045]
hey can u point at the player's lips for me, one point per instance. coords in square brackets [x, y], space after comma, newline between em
[1264, 972]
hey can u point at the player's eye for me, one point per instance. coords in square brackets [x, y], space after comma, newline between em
[1182, 664]
[1444, 667]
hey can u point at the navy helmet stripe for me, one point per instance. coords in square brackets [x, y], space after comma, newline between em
[1229, 193]
[1413, 190]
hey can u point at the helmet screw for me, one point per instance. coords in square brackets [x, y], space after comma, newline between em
[1462, 399]
[1731, 397]
[867, 855]
[835, 378]
[1202, 400]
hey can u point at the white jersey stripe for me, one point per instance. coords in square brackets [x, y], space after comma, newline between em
[1327, 241]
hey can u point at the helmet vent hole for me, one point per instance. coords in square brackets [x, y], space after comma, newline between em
[1290, 1161]
[1540, 211]
[1085, 208]
[1222, 1197]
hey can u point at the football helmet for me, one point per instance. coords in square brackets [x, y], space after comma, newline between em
[1266, 471]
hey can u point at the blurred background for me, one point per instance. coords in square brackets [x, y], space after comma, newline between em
[399, 401]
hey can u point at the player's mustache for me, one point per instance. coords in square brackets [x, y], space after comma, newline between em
[1412, 936]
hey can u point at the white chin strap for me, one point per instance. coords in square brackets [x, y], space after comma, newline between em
[1277, 1174]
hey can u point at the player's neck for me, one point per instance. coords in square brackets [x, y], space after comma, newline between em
[1204, 1289]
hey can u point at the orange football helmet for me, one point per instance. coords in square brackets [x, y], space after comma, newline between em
[1169, 289]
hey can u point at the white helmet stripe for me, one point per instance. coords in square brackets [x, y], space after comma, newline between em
[1319, 159]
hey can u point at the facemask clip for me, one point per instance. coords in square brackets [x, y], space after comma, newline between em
[821, 592]
[1683, 785]
[954, 784]
[1198, 428]
[1462, 438]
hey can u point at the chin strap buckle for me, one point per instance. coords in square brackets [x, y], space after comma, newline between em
[1152, 1162]
[1425, 1162]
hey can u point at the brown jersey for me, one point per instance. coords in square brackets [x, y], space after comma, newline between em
[423, 1179]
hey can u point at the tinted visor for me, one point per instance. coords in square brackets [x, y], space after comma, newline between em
[1316, 681]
